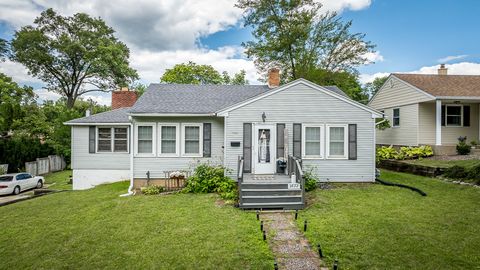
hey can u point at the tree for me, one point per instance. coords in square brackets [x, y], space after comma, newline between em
[192, 73]
[71, 53]
[3, 49]
[295, 36]
[372, 88]
[346, 81]
[15, 101]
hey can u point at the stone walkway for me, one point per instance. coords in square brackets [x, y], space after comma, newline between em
[290, 247]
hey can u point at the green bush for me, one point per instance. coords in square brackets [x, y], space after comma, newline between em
[463, 148]
[406, 152]
[209, 179]
[18, 149]
[455, 172]
[310, 181]
[474, 173]
[152, 190]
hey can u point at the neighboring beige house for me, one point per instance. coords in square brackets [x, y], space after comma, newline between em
[429, 109]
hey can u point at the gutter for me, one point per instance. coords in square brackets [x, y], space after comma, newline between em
[130, 187]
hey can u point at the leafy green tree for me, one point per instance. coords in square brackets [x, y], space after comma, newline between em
[372, 87]
[346, 81]
[71, 53]
[297, 37]
[140, 88]
[192, 73]
[3, 49]
[14, 102]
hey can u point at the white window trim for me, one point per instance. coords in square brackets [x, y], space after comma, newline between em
[345, 141]
[177, 140]
[461, 115]
[112, 140]
[399, 117]
[322, 141]
[154, 140]
[200, 125]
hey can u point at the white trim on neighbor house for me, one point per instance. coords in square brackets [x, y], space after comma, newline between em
[438, 122]
[154, 138]
[224, 112]
[177, 139]
[459, 97]
[345, 141]
[112, 140]
[322, 141]
[200, 139]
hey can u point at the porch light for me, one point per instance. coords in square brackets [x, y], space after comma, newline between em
[264, 116]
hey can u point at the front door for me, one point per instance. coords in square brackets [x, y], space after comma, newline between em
[264, 149]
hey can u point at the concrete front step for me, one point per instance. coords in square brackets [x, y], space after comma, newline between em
[272, 199]
[285, 205]
[264, 186]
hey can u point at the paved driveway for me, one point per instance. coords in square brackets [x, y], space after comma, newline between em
[6, 199]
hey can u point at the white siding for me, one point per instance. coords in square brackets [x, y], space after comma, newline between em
[303, 104]
[406, 133]
[396, 92]
[82, 159]
[157, 165]
[449, 134]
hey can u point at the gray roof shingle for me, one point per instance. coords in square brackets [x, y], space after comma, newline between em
[113, 116]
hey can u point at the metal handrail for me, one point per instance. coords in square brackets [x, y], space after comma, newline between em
[240, 178]
[295, 167]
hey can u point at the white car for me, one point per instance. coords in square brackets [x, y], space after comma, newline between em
[15, 183]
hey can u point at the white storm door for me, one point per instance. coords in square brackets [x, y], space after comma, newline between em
[264, 148]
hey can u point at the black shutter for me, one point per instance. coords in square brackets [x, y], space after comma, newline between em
[207, 139]
[297, 140]
[280, 140]
[443, 115]
[91, 139]
[466, 115]
[247, 147]
[352, 141]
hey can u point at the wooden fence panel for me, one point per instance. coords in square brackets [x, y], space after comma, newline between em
[56, 163]
[31, 168]
[43, 165]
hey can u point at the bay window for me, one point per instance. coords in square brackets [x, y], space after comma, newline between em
[337, 141]
[312, 141]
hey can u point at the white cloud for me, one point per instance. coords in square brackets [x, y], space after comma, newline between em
[18, 72]
[43, 95]
[374, 57]
[340, 5]
[366, 78]
[451, 58]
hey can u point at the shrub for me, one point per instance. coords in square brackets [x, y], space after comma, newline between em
[209, 179]
[474, 143]
[462, 147]
[152, 190]
[385, 152]
[474, 173]
[455, 172]
[406, 152]
[310, 181]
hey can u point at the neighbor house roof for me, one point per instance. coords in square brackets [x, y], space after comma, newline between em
[114, 116]
[444, 85]
[197, 99]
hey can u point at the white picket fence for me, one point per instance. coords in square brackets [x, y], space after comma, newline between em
[45, 165]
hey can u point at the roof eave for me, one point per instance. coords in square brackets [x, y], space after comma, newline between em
[96, 124]
[171, 114]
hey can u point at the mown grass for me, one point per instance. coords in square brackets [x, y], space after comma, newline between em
[97, 229]
[444, 163]
[371, 226]
[59, 180]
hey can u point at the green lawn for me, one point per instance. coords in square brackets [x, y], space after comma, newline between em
[97, 229]
[59, 180]
[371, 226]
[444, 163]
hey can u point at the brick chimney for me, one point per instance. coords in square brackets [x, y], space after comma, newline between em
[273, 77]
[123, 98]
[442, 70]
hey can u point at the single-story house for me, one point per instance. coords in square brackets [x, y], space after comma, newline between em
[431, 109]
[246, 128]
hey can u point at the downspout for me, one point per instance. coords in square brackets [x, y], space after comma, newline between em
[130, 187]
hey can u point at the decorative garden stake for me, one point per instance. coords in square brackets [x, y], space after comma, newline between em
[264, 236]
[296, 214]
[275, 265]
[305, 226]
[320, 253]
[335, 265]
[258, 215]
[261, 225]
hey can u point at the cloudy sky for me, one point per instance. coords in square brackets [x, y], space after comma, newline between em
[411, 35]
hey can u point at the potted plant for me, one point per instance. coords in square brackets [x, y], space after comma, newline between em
[473, 144]
[462, 147]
